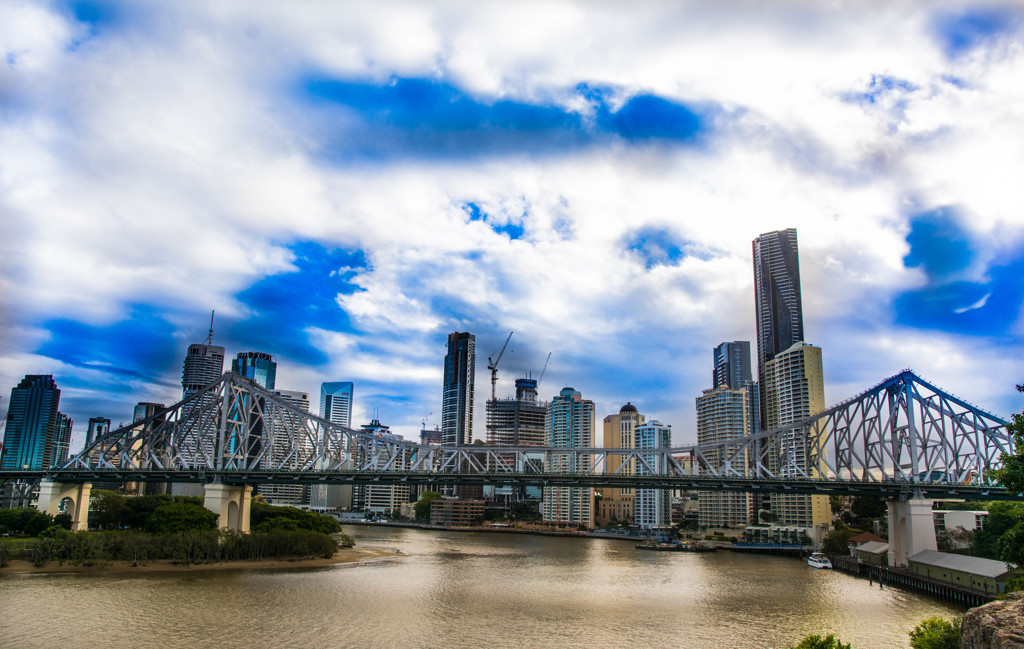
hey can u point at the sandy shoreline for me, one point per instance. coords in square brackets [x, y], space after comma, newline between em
[349, 556]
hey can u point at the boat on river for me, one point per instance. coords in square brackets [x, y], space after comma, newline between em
[819, 560]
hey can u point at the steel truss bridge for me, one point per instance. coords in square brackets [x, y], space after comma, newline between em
[900, 437]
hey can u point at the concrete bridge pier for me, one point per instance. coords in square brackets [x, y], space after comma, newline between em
[231, 504]
[911, 529]
[52, 493]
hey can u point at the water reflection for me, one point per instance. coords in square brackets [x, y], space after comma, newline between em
[458, 590]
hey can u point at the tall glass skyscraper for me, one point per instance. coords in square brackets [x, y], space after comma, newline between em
[32, 420]
[336, 402]
[778, 307]
[457, 398]
[258, 366]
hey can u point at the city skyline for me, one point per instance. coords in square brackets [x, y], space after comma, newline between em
[349, 185]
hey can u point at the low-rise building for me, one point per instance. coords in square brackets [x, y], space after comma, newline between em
[874, 553]
[454, 513]
[986, 575]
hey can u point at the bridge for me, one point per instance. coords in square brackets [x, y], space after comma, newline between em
[903, 439]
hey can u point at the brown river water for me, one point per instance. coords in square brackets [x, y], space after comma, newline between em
[453, 590]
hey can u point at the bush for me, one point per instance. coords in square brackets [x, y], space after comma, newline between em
[180, 517]
[265, 517]
[821, 642]
[936, 633]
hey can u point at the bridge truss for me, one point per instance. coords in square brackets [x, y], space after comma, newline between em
[902, 434]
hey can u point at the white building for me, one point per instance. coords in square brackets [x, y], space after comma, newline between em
[569, 424]
[652, 507]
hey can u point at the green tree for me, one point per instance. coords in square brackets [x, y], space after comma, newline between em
[267, 517]
[1002, 517]
[1011, 475]
[936, 633]
[821, 642]
[836, 542]
[180, 517]
[106, 509]
[868, 507]
[422, 506]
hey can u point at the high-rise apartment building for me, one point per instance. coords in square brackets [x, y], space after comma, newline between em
[652, 507]
[723, 414]
[31, 425]
[732, 369]
[518, 421]
[796, 390]
[382, 499]
[569, 423]
[457, 397]
[778, 306]
[616, 505]
[258, 366]
[336, 402]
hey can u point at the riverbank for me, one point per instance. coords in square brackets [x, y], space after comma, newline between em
[344, 556]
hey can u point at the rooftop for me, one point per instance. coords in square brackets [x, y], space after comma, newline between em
[972, 565]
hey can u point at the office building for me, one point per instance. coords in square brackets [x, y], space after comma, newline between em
[794, 390]
[652, 508]
[98, 427]
[616, 505]
[732, 369]
[62, 440]
[204, 364]
[288, 452]
[723, 413]
[30, 433]
[457, 397]
[258, 366]
[569, 424]
[777, 303]
[336, 402]
[381, 500]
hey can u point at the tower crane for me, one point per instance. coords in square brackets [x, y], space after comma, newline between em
[545, 369]
[492, 365]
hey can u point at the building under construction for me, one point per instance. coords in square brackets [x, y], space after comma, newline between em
[518, 421]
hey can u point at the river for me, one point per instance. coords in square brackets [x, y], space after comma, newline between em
[453, 590]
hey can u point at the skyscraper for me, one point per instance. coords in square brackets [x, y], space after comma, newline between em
[795, 390]
[457, 398]
[258, 366]
[336, 402]
[204, 364]
[62, 440]
[617, 504]
[723, 413]
[652, 507]
[282, 450]
[32, 420]
[778, 307]
[569, 424]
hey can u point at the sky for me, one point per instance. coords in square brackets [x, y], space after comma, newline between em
[345, 183]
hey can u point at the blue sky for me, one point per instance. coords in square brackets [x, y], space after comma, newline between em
[345, 184]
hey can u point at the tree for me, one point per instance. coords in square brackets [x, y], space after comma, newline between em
[266, 517]
[1011, 475]
[868, 507]
[936, 633]
[180, 517]
[829, 641]
[106, 509]
[422, 506]
[1002, 517]
[837, 541]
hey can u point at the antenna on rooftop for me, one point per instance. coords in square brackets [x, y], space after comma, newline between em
[209, 338]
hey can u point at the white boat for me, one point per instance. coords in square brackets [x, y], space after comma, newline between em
[819, 560]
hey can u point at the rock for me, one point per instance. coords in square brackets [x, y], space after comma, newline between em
[996, 625]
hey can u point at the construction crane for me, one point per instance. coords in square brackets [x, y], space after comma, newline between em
[424, 426]
[492, 365]
[545, 369]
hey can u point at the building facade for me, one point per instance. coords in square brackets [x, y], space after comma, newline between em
[204, 364]
[30, 433]
[62, 442]
[652, 507]
[569, 423]
[518, 421]
[723, 414]
[281, 449]
[794, 390]
[336, 402]
[616, 505]
[258, 366]
[457, 396]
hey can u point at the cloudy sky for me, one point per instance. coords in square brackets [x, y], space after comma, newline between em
[346, 183]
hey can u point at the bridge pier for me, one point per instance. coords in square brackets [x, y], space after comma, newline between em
[52, 493]
[231, 504]
[911, 529]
